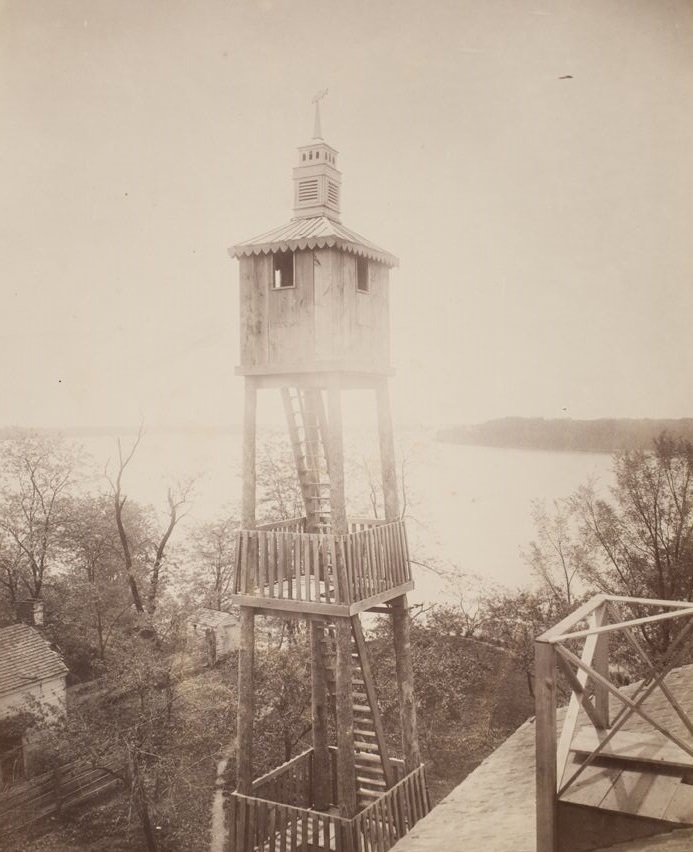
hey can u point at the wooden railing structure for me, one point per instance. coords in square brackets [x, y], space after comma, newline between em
[594, 626]
[280, 566]
[278, 815]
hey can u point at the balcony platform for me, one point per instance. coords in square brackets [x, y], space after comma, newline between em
[282, 568]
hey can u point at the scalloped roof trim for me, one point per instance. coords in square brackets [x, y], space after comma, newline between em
[318, 232]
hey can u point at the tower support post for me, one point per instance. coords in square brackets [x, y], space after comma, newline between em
[346, 767]
[246, 701]
[246, 652]
[249, 454]
[321, 757]
[405, 682]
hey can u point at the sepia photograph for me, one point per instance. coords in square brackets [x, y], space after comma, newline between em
[346, 426]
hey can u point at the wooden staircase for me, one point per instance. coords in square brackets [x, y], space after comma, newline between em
[374, 772]
[307, 424]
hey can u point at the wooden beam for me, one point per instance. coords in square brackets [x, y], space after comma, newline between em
[346, 768]
[369, 604]
[405, 682]
[276, 607]
[246, 702]
[610, 628]
[573, 711]
[545, 704]
[600, 663]
[321, 757]
[557, 631]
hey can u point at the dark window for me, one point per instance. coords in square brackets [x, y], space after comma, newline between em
[283, 269]
[363, 284]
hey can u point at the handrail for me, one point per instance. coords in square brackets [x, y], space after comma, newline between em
[554, 772]
[322, 567]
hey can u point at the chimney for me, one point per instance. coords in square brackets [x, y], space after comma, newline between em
[30, 611]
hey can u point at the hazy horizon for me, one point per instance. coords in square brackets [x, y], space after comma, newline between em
[529, 163]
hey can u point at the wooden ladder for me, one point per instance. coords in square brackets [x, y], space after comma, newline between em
[374, 772]
[307, 423]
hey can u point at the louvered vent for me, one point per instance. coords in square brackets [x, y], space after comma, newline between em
[308, 190]
[332, 193]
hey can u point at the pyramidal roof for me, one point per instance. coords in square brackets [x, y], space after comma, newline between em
[311, 233]
[316, 224]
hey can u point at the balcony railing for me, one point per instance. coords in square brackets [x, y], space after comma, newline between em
[280, 563]
[656, 737]
[278, 813]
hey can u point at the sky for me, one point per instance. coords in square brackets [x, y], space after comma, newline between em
[543, 225]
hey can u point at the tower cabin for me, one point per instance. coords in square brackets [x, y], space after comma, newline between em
[314, 314]
[314, 294]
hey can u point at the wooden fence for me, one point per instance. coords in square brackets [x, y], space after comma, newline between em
[277, 816]
[277, 563]
[52, 792]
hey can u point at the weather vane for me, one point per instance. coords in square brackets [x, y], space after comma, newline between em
[317, 130]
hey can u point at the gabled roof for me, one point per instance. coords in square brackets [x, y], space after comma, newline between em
[26, 658]
[316, 232]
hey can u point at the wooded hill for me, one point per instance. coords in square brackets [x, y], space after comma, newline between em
[607, 435]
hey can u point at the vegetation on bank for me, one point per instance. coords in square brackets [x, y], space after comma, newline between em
[163, 726]
[607, 435]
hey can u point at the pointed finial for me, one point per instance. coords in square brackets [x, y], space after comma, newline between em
[317, 130]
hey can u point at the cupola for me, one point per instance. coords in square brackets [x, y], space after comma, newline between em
[317, 181]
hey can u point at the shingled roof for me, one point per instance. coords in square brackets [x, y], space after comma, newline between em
[26, 658]
[316, 232]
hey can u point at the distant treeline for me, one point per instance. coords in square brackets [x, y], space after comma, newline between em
[566, 435]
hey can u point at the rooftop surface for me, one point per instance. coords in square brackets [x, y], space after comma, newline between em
[493, 809]
[26, 658]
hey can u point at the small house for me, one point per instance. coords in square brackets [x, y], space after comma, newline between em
[32, 681]
[213, 633]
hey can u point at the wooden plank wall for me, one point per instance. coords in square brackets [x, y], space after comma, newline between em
[290, 315]
[255, 273]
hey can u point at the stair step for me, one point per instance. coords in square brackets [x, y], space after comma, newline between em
[362, 733]
[365, 746]
[369, 794]
[361, 708]
[365, 755]
[374, 773]
[374, 782]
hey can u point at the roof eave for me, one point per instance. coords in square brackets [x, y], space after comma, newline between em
[250, 249]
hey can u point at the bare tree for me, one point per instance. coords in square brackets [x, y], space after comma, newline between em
[36, 473]
[144, 579]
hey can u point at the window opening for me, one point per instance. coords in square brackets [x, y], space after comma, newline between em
[283, 270]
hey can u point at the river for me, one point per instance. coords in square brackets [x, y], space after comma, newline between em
[468, 508]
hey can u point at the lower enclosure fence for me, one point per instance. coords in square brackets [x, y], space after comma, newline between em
[259, 825]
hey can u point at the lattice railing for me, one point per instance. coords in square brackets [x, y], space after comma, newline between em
[579, 649]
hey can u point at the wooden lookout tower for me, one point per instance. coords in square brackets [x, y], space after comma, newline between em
[314, 313]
